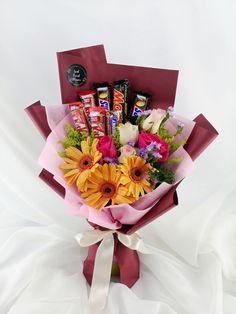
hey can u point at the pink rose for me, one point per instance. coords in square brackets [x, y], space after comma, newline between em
[126, 151]
[107, 147]
[146, 139]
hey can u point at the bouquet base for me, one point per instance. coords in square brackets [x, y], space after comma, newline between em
[125, 264]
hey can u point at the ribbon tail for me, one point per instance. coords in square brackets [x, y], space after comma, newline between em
[101, 275]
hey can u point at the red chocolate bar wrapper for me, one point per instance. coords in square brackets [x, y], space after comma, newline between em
[77, 110]
[88, 99]
[97, 118]
[108, 123]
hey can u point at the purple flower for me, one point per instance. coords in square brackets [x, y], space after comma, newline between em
[144, 113]
[154, 182]
[110, 160]
[153, 145]
[143, 153]
[131, 143]
[157, 155]
[180, 124]
[147, 112]
[170, 110]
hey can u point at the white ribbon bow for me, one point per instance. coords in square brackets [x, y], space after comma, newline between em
[103, 261]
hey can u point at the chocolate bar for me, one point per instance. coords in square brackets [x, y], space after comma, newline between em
[88, 99]
[79, 116]
[97, 120]
[120, 97]
[112, 119]
[103, 95]
[140, 103]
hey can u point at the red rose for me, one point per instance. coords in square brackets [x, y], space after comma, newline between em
[107, 147]
[146, 139]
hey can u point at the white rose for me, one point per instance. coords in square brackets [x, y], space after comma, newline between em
[153, 121]
[128, 132]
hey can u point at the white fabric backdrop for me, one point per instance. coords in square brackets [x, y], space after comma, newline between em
[194, 268]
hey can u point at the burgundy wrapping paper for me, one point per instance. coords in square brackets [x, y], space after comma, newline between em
[87, 57]
[162, 85]
[202, 136]
[47, 177]
[37, 113]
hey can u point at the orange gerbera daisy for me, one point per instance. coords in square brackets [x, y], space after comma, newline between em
[79, 164]
[134, 173]
[104, 186]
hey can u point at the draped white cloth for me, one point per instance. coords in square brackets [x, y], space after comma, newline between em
[193, 269]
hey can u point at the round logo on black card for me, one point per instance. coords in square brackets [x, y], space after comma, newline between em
[76, 75]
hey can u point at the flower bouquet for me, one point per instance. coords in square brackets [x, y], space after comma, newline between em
[116, 156]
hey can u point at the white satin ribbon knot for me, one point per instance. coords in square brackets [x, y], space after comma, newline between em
[103, 261]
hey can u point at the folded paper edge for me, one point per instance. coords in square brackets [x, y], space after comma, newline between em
[48, 178]
[37, 114]
[202, 136]
[167, 202]
[82, 50]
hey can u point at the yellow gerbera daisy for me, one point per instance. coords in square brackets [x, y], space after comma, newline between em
[134, 172]
[104, 186]
[79, 164]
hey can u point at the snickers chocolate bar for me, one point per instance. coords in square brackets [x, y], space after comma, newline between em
[103, 95]
[140, 103]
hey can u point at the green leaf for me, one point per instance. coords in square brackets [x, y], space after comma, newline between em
[163, 133]
[62, 154]
[174, 160]
[174, 147]
[141, 121]
[73, 138]
[162, 175]
[116, 138]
